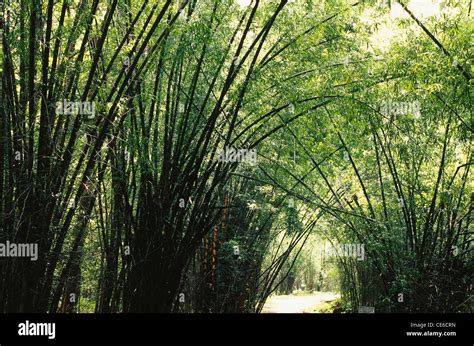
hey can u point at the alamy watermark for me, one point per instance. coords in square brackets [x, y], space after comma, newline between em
[366, 310]
[346, 250]
[9, 249]
[238, 155]
[76, 108]
[37, 329]
[391, 108]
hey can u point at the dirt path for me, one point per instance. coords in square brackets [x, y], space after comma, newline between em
[297, 304]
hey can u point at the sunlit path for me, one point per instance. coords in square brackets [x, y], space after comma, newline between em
[297, 304]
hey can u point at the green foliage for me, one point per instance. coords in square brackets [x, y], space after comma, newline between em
[361, 121]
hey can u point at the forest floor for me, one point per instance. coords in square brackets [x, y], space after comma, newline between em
[307, 303]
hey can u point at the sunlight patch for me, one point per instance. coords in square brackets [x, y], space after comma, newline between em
[420, 8]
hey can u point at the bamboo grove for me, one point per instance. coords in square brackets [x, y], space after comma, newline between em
[130, 205]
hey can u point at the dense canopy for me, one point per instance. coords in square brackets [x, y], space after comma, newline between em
[198, 156]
